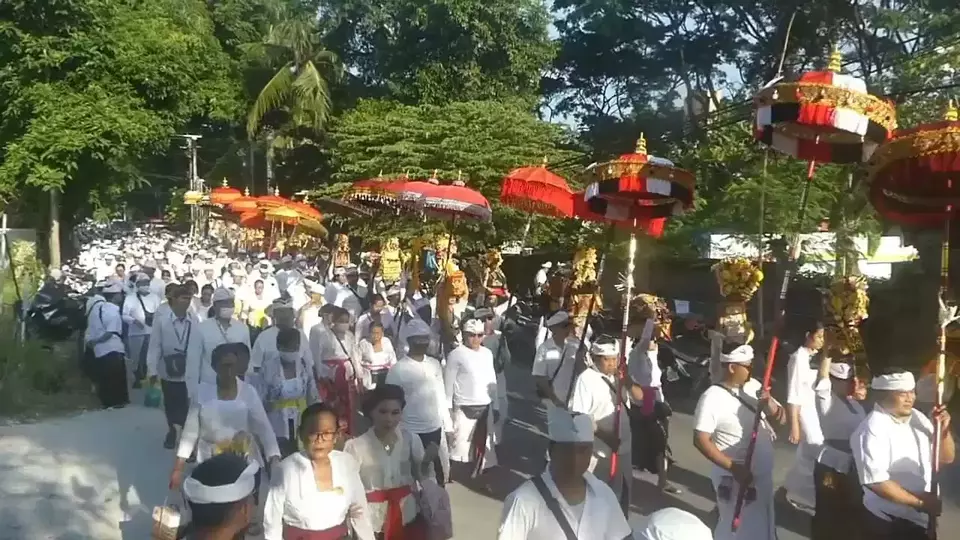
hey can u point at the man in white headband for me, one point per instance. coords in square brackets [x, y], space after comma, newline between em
[593, 395]
[892, 450]
[220, 496]
[473, 398]
[837, 490]
[535, 510]
[723, 424]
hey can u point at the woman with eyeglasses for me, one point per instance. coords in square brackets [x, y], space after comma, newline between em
[318, 494]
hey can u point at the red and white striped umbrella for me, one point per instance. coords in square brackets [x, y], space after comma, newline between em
[454, 200]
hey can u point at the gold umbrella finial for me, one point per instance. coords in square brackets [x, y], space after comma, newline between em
[642, 144]
[225, 184]
[435, 172]
[952, 115]
[246, 191]
[276, 191]
[380, 175]
[836, 60]
[544, 164]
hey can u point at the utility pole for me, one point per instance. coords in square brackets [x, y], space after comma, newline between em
[194, 182]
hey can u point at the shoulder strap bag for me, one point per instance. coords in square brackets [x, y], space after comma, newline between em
[554, 506]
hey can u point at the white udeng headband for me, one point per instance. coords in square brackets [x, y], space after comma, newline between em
[741, 355]
[203, 494]
[841, 371]
[897, 382]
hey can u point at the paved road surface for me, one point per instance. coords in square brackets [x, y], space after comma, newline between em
[97, 475]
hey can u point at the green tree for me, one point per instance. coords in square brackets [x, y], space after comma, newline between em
[478, 140]
[437, 52]
[91, 87]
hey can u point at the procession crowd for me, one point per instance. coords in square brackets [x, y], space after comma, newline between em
[348, 404]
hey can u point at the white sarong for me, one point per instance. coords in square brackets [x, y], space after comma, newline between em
[463, 430]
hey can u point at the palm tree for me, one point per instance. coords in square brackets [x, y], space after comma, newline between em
[299, 87]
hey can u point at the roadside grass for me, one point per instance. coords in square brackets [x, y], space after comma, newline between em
[39, 380]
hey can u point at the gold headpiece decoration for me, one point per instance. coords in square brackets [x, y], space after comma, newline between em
[951, 115]
[642, 144]
[836, 60]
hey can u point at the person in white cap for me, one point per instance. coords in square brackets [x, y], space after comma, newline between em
[377, 313]
[496, 343]
[595, 394]
[671, 524]
[473, 398]
[892, 449]
[565, 502]
[838, 491]
[308, 315]
[554, 361]
[355, 296]
[222, 328]
[540, 280]
[102, 336]
[723, 423]
[283, 317]
[219, 494]
[138, 310]
[172, 332]
[421, 378]
[803, 419]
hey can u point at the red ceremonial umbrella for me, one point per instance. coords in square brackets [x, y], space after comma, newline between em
[246, 203]
[254, 220]
[635, 189]
[648, 217]
[538, 191]
[380, 194]
[269, 202]
[224, 194]
[450, 201]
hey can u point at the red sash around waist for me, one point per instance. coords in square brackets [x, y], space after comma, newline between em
[393, 523]
[336, 533]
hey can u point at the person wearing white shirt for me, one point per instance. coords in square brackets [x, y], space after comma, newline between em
[221, 328]
[139, 308]
[156, 284]
[318, 492]
[540, 280]
[288, 386]
[723, 423]
[283, 317]
[555, 361]
[340, 357]
[104, 328]
[599, 394]
[378, 313]
[376, 356]
[473, 398]
[804, 422]
[173, 329]
[421, 378]
[649, 418]
[892, 450]
[356, 297]
[495, 342]
[391, 463]
[308, 315]
[565, 502]
[202, 301]
[226, 416]
[255, 304]
[838, 492]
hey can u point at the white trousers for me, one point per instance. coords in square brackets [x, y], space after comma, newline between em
[463, 429]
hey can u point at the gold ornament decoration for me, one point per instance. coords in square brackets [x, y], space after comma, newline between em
[846, 304]
[649, 306]
[391, 260]
[494, 279]
[739, 278]
[341, 257]
[584, 267]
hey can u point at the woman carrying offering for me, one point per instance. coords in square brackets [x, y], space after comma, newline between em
[376, 356]
[391, 462]
[225, 416]
[289, 387]
[318, 494]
